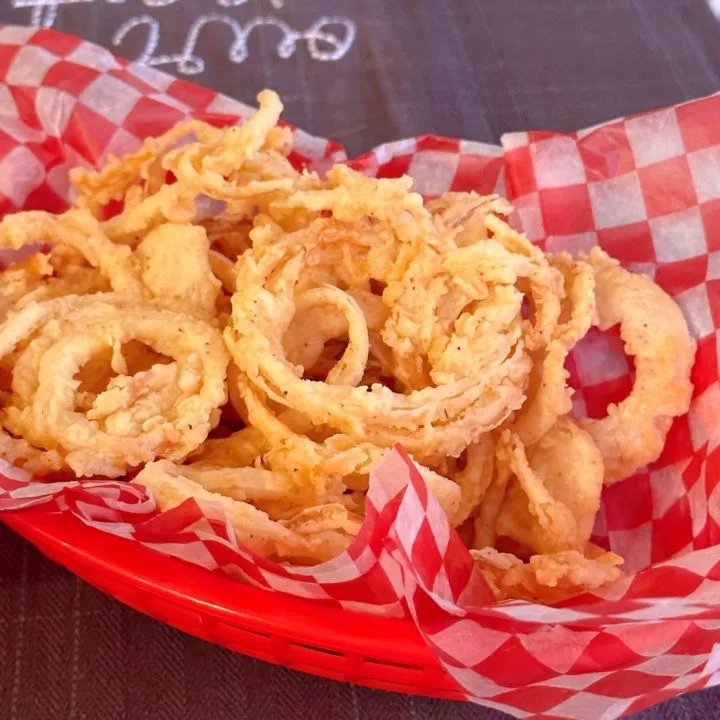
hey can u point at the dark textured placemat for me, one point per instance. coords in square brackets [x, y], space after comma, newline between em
[468, 69]
[69, 652]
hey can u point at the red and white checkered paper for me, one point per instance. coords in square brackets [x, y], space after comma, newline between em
[647, 189]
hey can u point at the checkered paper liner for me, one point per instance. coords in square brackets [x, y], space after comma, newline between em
[647, 189]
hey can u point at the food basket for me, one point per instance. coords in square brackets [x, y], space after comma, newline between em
[386, 653]
[647, 189]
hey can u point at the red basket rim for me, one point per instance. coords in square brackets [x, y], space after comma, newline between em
[88, 552]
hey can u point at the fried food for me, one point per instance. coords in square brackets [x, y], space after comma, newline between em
[546, 578]
[656, 336]
[255, 338]
[18, 452]
[299, 539]
[77, 231]
[443, 410]
[555, 493]
[22, 278]
[549, 397]
[175, 263]
[165, 411]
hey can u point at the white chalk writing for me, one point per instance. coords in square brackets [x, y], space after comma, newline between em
[322, 43]
[328, 39]
[44, 12]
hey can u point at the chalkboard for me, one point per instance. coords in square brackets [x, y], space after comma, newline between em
[368, 71]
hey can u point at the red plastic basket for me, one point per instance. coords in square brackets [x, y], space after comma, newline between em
[627, 186]
[385, 653]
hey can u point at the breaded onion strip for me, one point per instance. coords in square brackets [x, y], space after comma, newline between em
[174, 263]
[351, 366]
[223, 269]
[21, 278]
[326, 518]
[475, 478]
[18, 452]
[487, 514]
[323, 314]
[263, 488]
[320, 464]
[549, 396]
[553, 525]
[96, 188]
[546, 578]
[83, 281]
[240, 449]
[253, 527]
[545, 282]
[223, 167]
[79, 230]
[552, 504]
[465, 212]
[578, 308]
[377, 228]
[305, 339]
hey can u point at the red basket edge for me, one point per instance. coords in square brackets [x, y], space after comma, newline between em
[385, 653]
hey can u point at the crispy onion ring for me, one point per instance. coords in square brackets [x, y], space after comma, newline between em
[165, 412]
[96, 188]
[356, 317]
[318, 464]
[351, 366]
[549, 396]
[656, 336]
[465, 212]
[433, 420]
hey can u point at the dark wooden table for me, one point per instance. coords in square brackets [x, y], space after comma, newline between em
[473, 69]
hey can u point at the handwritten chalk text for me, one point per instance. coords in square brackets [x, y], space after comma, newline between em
[328, 39]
